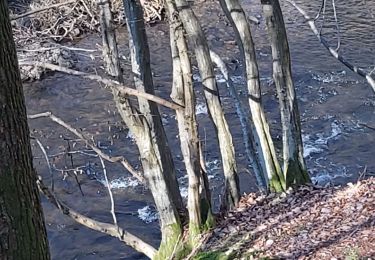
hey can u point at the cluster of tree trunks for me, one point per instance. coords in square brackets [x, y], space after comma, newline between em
[143, 119]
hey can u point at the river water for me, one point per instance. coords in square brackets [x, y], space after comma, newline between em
[335, 104]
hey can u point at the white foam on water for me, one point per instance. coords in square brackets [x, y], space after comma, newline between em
[213, 165]
[330, 77]
[130, 136]
[121, 183]
[324, 177]
[201, 109]
[196, 77]
[321, 142]
[184, 192]
[147, 214]
[309, 147]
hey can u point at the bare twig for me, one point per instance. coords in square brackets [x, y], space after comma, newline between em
[48, 163]
[337, 26]
[57, 47]
[120, 159]
[106, 228]
[333, 52]
[109, 191]
[44, 8]
[123, 90]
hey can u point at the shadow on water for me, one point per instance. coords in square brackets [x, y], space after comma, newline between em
[333, 103]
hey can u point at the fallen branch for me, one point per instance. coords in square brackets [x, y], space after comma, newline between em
[334, 53]
[123, 90]
[44, 8]
[106, 228]
[120, 159]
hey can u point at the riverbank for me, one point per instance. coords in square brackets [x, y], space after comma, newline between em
[309, 223]
[335, 105]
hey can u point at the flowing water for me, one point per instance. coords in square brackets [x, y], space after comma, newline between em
[336, 105]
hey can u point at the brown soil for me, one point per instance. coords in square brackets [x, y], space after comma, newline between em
[309, 223]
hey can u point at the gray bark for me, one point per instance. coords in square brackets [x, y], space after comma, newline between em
[294, 168]
[247, 134]
[110, 51]
[272, 170]
[140, 56]
[22, 230]
[199, 205]
[196, 37]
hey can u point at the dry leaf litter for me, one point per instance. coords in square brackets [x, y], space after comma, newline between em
[309, 223]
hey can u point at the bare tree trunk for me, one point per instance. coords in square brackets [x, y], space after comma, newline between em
[202, 54]
[110, 51]
[294, 165]
[199, 204]
[22, 230]
[247, 134]
[149, 133]
[140, 56]
[146, 126]
[237, 17]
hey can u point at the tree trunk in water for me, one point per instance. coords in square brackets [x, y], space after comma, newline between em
[237, 17]
[22, 230]
[294, 169]
[199, 201]
[202, 54]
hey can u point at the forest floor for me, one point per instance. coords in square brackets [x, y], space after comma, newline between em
[309, 223]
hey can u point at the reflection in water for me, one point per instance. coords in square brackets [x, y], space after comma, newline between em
[333, 104]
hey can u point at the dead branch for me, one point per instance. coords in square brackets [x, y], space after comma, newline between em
[109, 191]
[106, 228]
[123, 90]
[48, 163]
[44, 8]
[333, 52]
[80, 135]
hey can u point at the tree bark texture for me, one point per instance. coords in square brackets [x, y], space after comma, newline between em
[147, 128]
[294, 169]
[266, 149]
[110, 51]
[196, 37]
[247, 134]
[140, 56]
[22, 230]
[199, 200]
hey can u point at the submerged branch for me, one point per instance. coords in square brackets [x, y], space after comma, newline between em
[106, 228]
[123, 90]
[333, 52]
[73, 130]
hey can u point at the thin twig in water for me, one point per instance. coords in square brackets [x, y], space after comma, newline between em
[109, 191]
[47, 160]
[337, 26]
